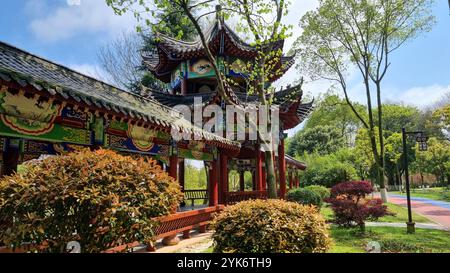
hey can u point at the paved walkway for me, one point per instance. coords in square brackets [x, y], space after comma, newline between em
[437, 211]
[403, 225]
[198, 243]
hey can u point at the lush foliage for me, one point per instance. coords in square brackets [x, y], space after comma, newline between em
[100, 199]
[320, 139]
[305, 197]
[270, 226]
[350, 206]
[195, 178]
[333, 111]
[436, 159]
[340, 36]
[326, 171]
[355, 159]
[322, 191]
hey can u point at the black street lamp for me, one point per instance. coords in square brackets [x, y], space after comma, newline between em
[421, 138]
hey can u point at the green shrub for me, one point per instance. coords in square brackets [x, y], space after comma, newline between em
[445, 195]
[321, 190]
[270, 226]
[100, 199]
[396, 246]
[305, 197]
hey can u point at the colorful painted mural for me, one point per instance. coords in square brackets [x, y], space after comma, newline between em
[177, 75]
[27, 115]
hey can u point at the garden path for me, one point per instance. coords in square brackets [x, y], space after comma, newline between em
[437, 211]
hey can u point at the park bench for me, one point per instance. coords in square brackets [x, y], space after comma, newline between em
[193, 195]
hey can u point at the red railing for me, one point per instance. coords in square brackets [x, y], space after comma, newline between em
[235, 197]
[181, 222]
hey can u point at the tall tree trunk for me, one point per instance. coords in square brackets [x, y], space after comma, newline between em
[381, 142]
[373, 141]
[270, 175]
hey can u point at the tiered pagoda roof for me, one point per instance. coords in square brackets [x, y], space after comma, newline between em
[292, 111]
[222, 40]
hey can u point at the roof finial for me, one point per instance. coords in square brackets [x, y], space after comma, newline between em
[219, 15]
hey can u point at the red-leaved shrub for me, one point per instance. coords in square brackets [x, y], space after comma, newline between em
[350, 206]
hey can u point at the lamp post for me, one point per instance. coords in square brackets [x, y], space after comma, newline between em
[422, 140]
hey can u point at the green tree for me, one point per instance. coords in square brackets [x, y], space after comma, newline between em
[396, 117]
[361, 34]
[440, 121]
[363, 151]
[394, 158]
[322, 140]
[195, 178]
[334, 111]
[437, 157]
[326, 170]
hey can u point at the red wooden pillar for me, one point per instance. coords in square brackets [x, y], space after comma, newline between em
[10, 157]
[259, 172]
[173, 165]
[183, 86]
[241, 181]
[282, 169]
[181, 168]
[264, 173]
[213, 184]
[264, 179]
[223, 178]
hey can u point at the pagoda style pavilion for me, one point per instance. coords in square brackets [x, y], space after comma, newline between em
[184, 67]
[46, 108]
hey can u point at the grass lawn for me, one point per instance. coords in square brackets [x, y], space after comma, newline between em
[440, 194]
[391, 239]
[401, 215]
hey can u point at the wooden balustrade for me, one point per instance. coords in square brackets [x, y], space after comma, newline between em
[171, 225]
[235, 197]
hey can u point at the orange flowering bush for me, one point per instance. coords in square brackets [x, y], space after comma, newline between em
[99, 198]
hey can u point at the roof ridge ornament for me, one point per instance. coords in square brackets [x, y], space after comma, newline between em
[219, 16]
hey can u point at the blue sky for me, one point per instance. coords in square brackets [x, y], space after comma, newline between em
[71, 34]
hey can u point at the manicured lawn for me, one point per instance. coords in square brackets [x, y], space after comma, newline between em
[440, 194]
[401, 215]
[391, 240]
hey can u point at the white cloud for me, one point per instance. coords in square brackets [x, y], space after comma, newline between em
[420, 96]
[68, 21]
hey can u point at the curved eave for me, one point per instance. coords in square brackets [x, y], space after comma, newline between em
[292, 162]
[296, 114]
[23, 70]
